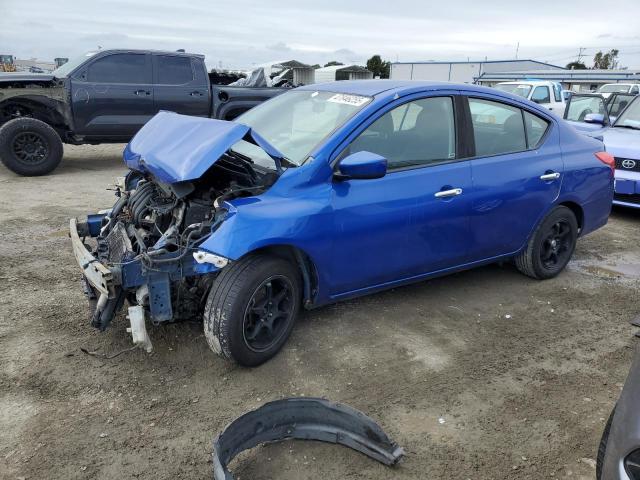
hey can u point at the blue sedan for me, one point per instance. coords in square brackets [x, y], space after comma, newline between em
[329, 192]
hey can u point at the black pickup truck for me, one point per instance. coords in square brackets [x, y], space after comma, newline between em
[106, 97]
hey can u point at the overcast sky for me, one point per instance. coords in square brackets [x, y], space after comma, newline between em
[243, 33]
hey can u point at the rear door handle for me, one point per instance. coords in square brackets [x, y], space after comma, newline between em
[448, 193]
[142, 92]
[196, 94]
[550, 176]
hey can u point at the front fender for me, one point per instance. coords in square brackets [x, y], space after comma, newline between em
[258, 222]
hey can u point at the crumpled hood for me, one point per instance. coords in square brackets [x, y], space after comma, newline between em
[177, 148]
[622, 142]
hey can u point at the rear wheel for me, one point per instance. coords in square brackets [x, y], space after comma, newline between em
[551, 246]
[29, 147]
[602, 448]
[251, 309]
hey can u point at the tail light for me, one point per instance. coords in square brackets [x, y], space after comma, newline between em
[607, 159]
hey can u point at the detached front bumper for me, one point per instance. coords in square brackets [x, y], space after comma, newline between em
[148, 285]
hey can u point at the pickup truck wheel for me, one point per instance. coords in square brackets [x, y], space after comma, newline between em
[251, 309]
[551, 246]
[29, 147]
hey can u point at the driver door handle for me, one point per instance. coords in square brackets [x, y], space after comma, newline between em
[448, 193]
[142, 92]
[550, 176]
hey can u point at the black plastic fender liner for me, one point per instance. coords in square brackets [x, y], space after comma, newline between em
[303, 419]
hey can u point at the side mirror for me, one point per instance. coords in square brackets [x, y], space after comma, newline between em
[596, 118]
[362, 165]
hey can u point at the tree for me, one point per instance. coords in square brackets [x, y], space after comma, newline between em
[606, 61]
[315, 66]
[332, 63]
[576, 66]
[379, 67]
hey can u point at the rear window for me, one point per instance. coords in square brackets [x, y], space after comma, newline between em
[497, 128]
[536, 128]
[174, 70]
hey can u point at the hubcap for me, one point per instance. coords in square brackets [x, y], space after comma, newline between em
[30, 147]
[556, 246]
[268, 313]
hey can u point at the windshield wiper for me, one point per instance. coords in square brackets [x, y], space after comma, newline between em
[627, 126]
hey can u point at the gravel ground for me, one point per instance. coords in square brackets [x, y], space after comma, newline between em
[484, 374]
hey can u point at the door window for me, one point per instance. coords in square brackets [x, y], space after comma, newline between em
[416, 133]
[120, 68]
[541, 95]
[580, 106]
[536, 128]
[174, 70]
[497, 128]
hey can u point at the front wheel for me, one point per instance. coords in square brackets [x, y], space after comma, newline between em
[251, 309]
[29, 147]
[551, 246]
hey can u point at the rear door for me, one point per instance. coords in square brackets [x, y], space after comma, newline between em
[112, 96]
[517, 172]
[180, 85]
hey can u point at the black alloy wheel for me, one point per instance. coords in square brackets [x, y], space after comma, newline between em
[557, 245]
[268, 314]
[30, 147]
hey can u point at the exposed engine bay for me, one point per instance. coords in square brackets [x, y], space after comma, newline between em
[149, 237]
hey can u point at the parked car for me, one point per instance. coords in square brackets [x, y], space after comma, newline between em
[609, 88]
[620, 133]
[545, 93]
[105, 97]
[329, 192]
[619, 450]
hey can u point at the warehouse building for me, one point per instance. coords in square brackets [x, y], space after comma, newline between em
[462, 72]
[342, 72]
[574, 80]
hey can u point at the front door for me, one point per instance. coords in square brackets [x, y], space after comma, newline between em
[415, 219]
[517, 173]
[113, 95]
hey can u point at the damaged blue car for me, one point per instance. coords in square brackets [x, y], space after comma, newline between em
[329, 192]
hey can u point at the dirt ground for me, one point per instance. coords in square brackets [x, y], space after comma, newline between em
[480, 375]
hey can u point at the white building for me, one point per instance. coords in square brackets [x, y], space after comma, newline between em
[342, 72]
[574, 80]
[461, 72]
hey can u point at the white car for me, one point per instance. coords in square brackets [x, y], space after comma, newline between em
[608, 88]
[545, 93]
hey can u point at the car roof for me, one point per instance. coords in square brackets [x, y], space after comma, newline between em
[157, 52]
[376, 87]
[526, 82]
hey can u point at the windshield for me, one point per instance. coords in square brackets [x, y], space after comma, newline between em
[630, 118]
[64, 70]
[519, 89]
[297, 121]
[613, 89]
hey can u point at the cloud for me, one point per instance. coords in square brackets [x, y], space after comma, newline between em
[256, 31]
[279, 47]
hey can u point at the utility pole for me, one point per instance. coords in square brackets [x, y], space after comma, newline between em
[580, 54]
[517, 50]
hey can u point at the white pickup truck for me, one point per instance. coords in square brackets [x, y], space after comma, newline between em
[545, 93]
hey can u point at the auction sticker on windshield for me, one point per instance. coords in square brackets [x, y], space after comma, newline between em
[346, 99]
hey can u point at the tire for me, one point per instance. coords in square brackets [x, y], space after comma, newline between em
[29, 147]
[557, 233]
[602, 448]
[241, 322]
